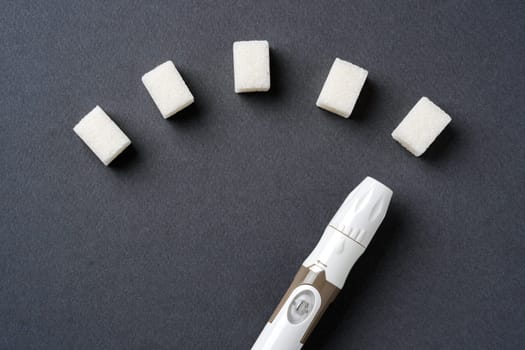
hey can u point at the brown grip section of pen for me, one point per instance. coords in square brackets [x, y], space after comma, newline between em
[318, 280]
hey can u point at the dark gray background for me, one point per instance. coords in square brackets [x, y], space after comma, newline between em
[191, 237]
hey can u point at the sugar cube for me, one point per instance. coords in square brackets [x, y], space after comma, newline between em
[102, 135]
[251, 66]
[341, 88]
[167, 88]
[421, 126]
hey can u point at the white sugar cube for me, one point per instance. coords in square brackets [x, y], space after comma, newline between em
[251, 66]
[167, 88]
[421, 126]
[102, 135]
[341, 88]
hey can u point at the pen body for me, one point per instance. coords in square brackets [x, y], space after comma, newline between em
[312, 290]
[325, 270]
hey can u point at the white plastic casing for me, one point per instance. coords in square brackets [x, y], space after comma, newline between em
[351, 230]
[337, 253]
[342, 243]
